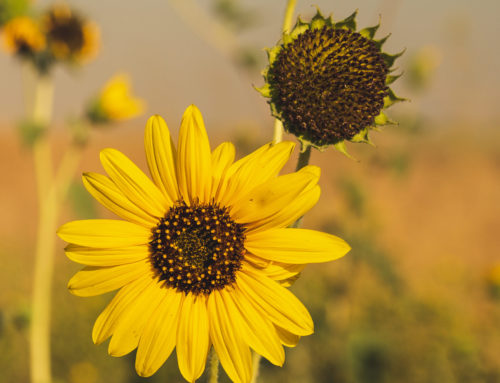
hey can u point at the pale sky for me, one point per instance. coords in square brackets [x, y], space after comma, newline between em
[172, 66]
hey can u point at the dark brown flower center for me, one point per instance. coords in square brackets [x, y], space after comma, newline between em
[197, 248]
[328, 84]
[67, 31]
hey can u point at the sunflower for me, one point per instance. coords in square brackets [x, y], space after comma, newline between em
[328, 83]
[22, 36]
[203, 253]
[115, 102]
[69, 35]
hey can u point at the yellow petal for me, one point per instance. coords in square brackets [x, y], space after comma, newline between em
[161, 156]
[104, 233]
[194, 164]
[278, 303]
[106, 257]
[106, 323]
[222, 158]
[272, 198]
[99, 280]
[192, 337]
[278, 271]
[233, 351]
[159, 336]
[286, 337]
[129, 329]
[258, 332]
[295, 210]
[248, 173]
[133, 182]
[291, 245]
[107, 193]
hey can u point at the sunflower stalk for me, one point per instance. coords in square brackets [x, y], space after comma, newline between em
[44, 253]
[287, 24]
[214, 367]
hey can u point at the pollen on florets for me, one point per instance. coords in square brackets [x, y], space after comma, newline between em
[197, 248]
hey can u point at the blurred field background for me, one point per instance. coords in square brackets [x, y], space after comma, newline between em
[417, 299]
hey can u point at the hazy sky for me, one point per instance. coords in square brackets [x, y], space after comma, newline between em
[172, 66]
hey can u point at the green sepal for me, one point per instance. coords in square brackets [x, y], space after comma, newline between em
[382, 41]
[362, 136]
[264, 90]
[272, 53]
[349, 22]
[390, 79]
[369, 32]
[391, 99]
[340, 146]
[297, 30]
[382, 119]
[318, 21]
[390, 59]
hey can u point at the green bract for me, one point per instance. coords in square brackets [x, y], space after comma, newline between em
[328, 83]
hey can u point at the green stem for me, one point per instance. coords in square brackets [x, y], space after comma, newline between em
[45, 245]
[304, 157]
[287, 24]
[214, 367]
[287, 20]
[256, 367]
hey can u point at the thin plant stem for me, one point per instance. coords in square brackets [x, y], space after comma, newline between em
[304, 157]
[45, 243]
[278, 131]
[256, 367]
[287, 20]
[277, 138]
[287, 24]
[214, 367]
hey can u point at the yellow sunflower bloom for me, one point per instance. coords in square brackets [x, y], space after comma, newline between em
[22, 35]
[115, 102]
[70, 36]
[202, 253]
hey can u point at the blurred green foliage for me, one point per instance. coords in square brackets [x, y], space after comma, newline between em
[12, 8]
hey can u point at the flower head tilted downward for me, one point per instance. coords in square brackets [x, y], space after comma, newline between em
[328, 83]
[202, 254]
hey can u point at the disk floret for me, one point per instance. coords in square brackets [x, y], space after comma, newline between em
[328, 83]
[197, 248]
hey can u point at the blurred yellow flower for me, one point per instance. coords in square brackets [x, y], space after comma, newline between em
[202, 252]
[22, 35]
[115, 102]
[70, 36]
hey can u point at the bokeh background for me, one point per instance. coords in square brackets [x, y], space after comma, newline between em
[418, 297]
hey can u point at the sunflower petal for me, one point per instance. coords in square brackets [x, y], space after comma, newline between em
[99, 280]
[279, 304]
[258, 332]
[233, 351]
[194, 163]
[277, 271]
[286, 337]
[272, 198]
[159, 337]
[291, 245]
[129, 329]
[222, 158]
[133, 182]
[254, 170]
[161, 156]
[107, 193]
[192, 337]
[107, 321]
[106, 257]
[104, 233]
